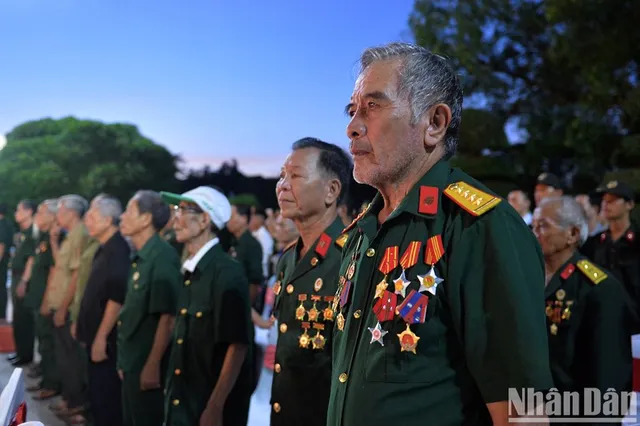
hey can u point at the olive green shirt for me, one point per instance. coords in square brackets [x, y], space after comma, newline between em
[305, 289]
[248, 251]
[213, 313]
[151, 292]
[587, 313]
[24, 249]
[42, 264]
[84, 270]
[69, 260]
[481, 330]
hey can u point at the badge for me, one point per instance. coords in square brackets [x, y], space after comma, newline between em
[317, 285]
[304, 338]
[408, 341]
[351, 270]
[318, 340]
[631, 236]
[277, 287]
[313, 313]
[385, 307]
[560, 294]
[553, 329]
[400, 285]
[314, 261]
[43, 247]
[414, 308]
[328, 314]
[428, 200]
[566, 314]
[290, 288]
[381, 288]
[323, 245]
[568, 271]
[136, 276]
[377, 333]
[340, 321]
[429, 282]
[300, 310]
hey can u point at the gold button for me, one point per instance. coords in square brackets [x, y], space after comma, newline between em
[183, 311]
[290, 288]
[276, 407]
[135, 286]
[283, 328]
[177, 372]
[187, 282]
[136, 276]
[134, 264]
[198, 314]
[176, 402]
[119, 322]
[277, 368]
[179, 341]
[357, 314]
[371, 252]
[314, 261]
[343, 378]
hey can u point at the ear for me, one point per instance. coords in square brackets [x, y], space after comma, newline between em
[333, 189]
[574, 235]
[437, 119]
[147, 219]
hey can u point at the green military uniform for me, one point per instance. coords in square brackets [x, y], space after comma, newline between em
[428, 304]
[169, 236]
[151, 292]
[42, 264]
[214, 312]
[304, 298]
[23, 316]
[587, 322]
[6, 238]
[248, 251]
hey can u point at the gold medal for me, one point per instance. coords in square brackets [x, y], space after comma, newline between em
[317, 285]
[313, 313]
[560, 294]
[553, 329]
[290, 288]
[318, 341]
[301, 311]
[328, 314]
[381, 287]
[340, 321]
[314, 261]
[277, 287]
[408, 341]
[304, 338]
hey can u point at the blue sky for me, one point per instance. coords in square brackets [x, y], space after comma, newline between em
[210, 80]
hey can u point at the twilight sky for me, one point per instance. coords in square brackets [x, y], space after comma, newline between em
[210, 80]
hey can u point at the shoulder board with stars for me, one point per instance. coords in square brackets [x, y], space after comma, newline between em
[352, 224]
[471, 199]
[342, 240]
[595, 275]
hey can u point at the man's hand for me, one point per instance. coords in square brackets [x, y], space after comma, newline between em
[99, 350]
[73, 330]
[44, 309]
[211, 416]
[150, 377]
[60, 318]
[21, 290]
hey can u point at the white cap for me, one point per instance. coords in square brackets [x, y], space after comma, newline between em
[212, 202]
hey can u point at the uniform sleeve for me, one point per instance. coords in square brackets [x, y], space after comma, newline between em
[117, 288]
[234, 317]
[606, 332]
[163, 294]
[496, 296]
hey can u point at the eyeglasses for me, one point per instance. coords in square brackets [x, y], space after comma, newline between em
[187, 209]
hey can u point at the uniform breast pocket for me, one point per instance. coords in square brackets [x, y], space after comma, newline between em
[411, 353]
[200, 322]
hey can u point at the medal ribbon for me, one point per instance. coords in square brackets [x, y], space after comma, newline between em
[410, 256]
[434, 250]
[389, 260]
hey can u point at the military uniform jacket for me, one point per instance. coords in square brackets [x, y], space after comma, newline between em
[24, 249]
[213, 313]
[587, 323]
[621, 257]
[248, 251]
[305, 289]
[42, 264]
[439, 309]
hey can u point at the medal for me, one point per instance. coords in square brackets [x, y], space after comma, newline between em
[344, 297]
[340, 321]
[377, 333]
[381, 287]
[304, 338]
[385, 307]
[410, 256]
[389, 261]
[400, 285]
[414, 308]
[351, 270]
[317, 285]
[554, 329]
[318, 340]
[429, 282]
[408, 341]
[560, 294]
[313, 312]
[434, 250]
[136, 276]
[328, 312]
[277, 287]
[301, 311]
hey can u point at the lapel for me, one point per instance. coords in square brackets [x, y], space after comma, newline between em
[562, 275]
[319, 251]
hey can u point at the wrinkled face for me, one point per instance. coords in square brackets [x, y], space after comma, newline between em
[303, 189]
[550, 235]
[190, 222]
[383, 140]
[285, 230]
[22, 214]
[132, 221]
[614, 207]
[96, 223]
[44, 219]
[545, 191]
[64, 216]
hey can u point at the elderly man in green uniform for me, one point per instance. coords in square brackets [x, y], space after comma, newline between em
[440, 288]
[23, 316]
[210, 372]
[144, 327]
[587, 309]
[6, 241]
[43, 266]
[169, 234]
[618, 248]
[312, 184]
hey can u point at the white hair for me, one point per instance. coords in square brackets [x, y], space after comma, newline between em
[570, 213]
[108, 207]
[51, 205]
[75, 203]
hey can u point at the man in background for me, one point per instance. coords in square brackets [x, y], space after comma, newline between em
[521, 203]
[591, 206]
[6, 241]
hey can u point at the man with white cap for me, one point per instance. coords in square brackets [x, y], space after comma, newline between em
[210, 371]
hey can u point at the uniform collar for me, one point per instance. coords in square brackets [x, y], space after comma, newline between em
[191, 263]
[318, 252]
[147, 250]
[563, 273]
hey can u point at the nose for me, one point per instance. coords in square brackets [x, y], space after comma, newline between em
[282, 185]
[356, 128]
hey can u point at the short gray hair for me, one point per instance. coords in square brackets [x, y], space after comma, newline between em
[108, 207]
[51, 204]
[74, 202]
[426, 79]
[570, 213]
[151, 202]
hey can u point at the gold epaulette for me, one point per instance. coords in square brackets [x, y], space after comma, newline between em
[592, 272]
[352, 224]
[342, 240]
[474, 201]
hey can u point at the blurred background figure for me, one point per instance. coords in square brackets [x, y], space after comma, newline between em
[519, 200]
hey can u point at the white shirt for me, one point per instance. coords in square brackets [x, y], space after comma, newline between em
[191, 263]
[528, 218]
[265, 240]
